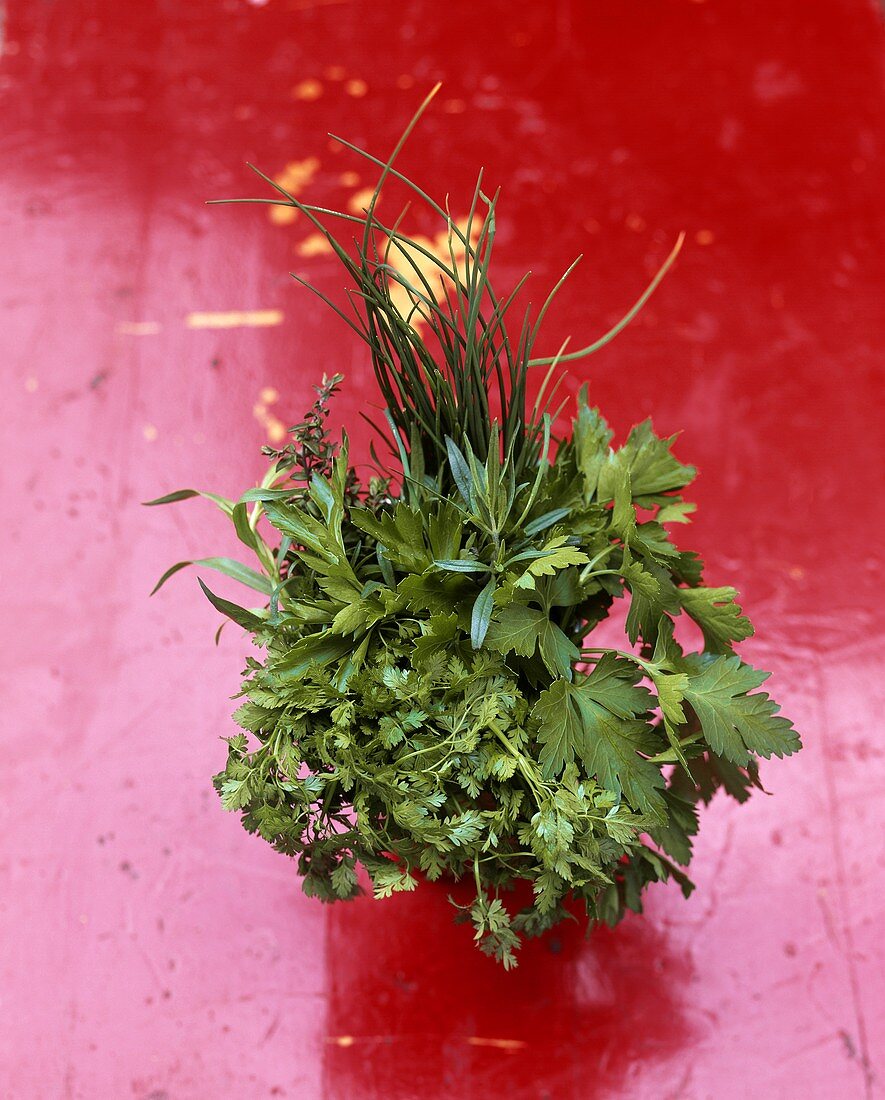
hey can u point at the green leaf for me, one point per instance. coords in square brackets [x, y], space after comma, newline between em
[614, 684]
[552, 560]
[591, 437]
[462, 565]
[517, 628]
[718, 616]
[235, 793]
[229, 567]
[344, 880]
[461, 473]
[481, 615]
[245, 534]
[676, 836]
[574, 722]
[557, 650]
[677, 512]
[227, 506]
[313, 649]
[246, 619]
[653, 469]
[646, 606]
[712, 772]
[439, 632]
[262, 496]
[546, 520]
[387, 877]
[736, 723]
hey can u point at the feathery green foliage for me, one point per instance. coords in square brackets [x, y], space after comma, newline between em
[429, 699]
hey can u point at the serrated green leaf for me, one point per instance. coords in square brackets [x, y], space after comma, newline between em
[574, 723]
[554, 559]
[517, 629]
[653, 468]
[736, 723]
[718, 615]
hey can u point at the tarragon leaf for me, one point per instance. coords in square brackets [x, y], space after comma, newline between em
[481, 615]
[249, 620]
[229, 567]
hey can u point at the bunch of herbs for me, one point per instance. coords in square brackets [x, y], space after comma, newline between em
[429, 699]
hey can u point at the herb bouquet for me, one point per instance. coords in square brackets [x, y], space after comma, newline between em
[430, 696]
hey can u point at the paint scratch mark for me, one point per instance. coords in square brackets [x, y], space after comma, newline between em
[271, 1031]
[138, 328]
[498, 1044]
[308, 5]
[236, 318]
[846, 948]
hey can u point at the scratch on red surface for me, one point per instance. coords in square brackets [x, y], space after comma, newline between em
[235, 318]
[499, 1044]
[846, 947]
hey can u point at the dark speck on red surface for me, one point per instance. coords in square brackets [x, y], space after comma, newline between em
[152, 949]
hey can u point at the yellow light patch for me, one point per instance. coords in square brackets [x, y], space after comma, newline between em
[307, 90]
[314, 245]
[236, 318]
[294, 178]
[282, 215]
[359, 202]
[273, 426]
[149, 432]
[276, 429]
[356, 88]
[403, 263]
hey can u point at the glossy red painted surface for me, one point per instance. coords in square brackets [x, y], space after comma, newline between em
[150, 947]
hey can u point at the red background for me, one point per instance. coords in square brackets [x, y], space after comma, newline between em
[150, 947]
